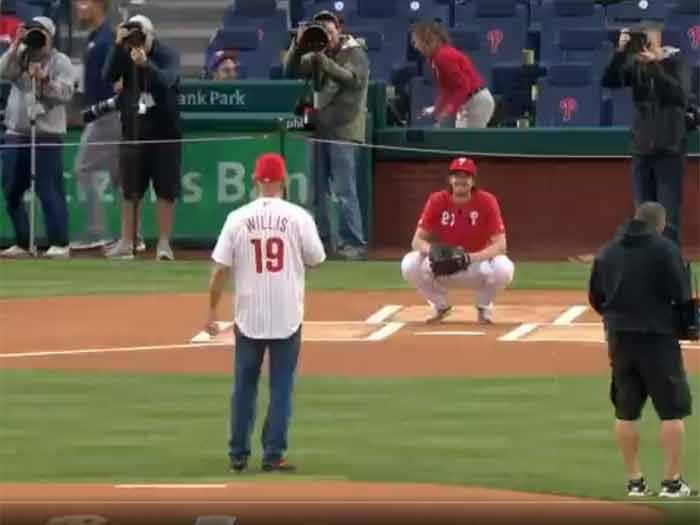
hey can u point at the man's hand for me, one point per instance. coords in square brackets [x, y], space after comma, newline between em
[427, 112]
[119, 86]
[646, 57]
[37, 71]
[139, 57]
[211, 326]
[122, 33]
[21, 33]
[623, 40]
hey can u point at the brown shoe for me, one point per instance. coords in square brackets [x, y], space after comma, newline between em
[439, 314]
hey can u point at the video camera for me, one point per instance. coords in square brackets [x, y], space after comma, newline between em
[136, 36]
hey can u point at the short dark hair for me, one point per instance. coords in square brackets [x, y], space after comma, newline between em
[651, 213]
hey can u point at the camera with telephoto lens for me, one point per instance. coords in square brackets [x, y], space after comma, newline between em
[136, 37]
[34, 39]
[313, 39]
[92, 113]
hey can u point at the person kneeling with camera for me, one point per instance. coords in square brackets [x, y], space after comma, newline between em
[42, 84]
[659, 80]
[339, 68]
[150, 74]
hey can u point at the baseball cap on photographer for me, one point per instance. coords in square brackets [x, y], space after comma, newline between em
[269, 167]
[326, 16]
[144, 22]
[463, 165]
[43, 22]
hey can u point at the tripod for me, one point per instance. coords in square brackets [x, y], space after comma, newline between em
[32, 172]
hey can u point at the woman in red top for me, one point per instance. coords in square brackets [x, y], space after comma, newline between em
[462, 93]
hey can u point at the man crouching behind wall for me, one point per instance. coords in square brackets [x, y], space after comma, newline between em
[468, 218]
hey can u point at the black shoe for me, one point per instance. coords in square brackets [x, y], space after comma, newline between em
[676, 488]
[279, 465]
[638, 488]
[239, 464]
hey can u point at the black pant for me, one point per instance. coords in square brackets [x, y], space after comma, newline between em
[660, 178]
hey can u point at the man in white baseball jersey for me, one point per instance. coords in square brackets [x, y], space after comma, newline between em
[267, 244]
[470, 218]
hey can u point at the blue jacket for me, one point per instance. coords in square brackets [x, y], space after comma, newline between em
[97, 88]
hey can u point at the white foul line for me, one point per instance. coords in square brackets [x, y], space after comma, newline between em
[450, 333]
[384, 332]
[111, 350]
[383, 313]
[519, 332]
[571, 314]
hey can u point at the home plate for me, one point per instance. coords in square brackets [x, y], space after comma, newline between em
[328, 331]
[502, 314]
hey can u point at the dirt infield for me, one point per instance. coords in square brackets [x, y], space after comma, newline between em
[346, 335]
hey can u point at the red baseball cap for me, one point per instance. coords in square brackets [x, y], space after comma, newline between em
[463, 165]
[269, 167]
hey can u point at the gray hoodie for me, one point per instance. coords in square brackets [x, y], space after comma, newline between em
[343, 95]
[52, 97]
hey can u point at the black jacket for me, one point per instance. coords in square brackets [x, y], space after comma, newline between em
[635, 280]
[660, 93]
[161, 78]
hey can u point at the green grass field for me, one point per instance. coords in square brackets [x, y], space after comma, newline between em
[548, 434]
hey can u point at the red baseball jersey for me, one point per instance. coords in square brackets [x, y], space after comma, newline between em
[470, 225]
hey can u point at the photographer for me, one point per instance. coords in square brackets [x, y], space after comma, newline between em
[150, 72]
[659, 81]
[42, 84]
[102, 125]
[636, 280]
[339, 68]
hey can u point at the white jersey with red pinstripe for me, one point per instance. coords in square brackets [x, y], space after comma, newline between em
[268, 243]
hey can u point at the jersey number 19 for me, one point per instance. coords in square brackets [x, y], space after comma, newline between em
[272, 254]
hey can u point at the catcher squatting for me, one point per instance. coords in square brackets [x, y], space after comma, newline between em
[460, 242]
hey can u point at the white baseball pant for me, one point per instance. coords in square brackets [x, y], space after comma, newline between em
[486, 278]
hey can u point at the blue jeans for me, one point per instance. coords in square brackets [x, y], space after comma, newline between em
[659, 178]
[283, 356]
[50, 189]
[334, 168]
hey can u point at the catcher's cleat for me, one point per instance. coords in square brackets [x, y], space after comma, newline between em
[239, 463]
[483, 315]
[439, 314]
[278, 465]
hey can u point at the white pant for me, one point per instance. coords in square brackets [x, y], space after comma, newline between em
[477, 111]
[486, 278]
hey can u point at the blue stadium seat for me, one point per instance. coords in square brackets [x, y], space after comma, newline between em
[558, 15]
[569, 95]
[258, 62]
[695, 83]
[684, 17]
[385, 57]
[629, 12]
[578, 45]
[469, 42]
[503, 26]
[341, 8]
[269, 24]
[422, 95]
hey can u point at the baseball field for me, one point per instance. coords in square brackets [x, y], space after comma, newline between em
[114, 405]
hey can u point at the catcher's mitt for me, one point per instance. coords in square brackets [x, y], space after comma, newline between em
[446, 260]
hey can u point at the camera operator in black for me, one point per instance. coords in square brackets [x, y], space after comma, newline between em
[659, 80]
[150, 74]
[340, 73]
[636, 280]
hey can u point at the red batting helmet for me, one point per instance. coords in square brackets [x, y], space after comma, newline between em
[269, 167]
[463, 165]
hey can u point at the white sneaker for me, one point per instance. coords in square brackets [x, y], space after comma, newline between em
[164, 252]
[88, 245]
[140, 245]
[57, 252]
[484, 314]
[14, 252]
[120, 250]
[676, 488]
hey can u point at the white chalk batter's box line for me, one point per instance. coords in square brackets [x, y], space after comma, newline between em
[521, 334]
[382, 332]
